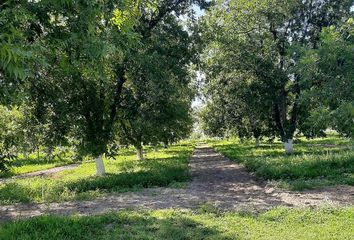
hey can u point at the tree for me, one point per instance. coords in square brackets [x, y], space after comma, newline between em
[261, 40]
[10, 129]
[239, 104]
[328, 70]
[157, 99]
[17, 48]
[10, 135]
[212, 120]
[89, 48]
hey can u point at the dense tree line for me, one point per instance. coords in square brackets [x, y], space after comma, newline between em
[277, 68]
[94, 74]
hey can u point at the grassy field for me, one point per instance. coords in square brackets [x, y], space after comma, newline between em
[279, 223]
[32, 164]
[167, 167]
[315, 163]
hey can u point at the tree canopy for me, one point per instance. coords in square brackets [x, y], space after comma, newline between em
[90, 69]
[96, 74]
[255, 56]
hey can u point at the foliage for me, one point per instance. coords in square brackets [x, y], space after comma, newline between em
[5, 161]
[16, 45]
[11, 133]
[212, 120]
[156, 100]
[253, 61]
[126, 18]
[344, 119]
[328, 69]
[278, 223]
[94, 57]
[315, 163]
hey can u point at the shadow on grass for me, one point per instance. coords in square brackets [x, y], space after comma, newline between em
[63, 191]
[122, 225]
[150, 173]
[156, 175]
[39, 160]
[150, 151]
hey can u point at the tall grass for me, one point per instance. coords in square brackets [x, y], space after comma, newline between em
[315, 163]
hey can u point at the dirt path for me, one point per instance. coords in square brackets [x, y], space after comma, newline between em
[43, 173]
[215, 180]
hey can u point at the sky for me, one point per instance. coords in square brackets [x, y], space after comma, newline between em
[198, 11]
[197, 101]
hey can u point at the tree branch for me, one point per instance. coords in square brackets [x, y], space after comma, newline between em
[117, 96]
[162, 11]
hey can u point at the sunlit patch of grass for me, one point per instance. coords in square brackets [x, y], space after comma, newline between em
[315, 163]
[331, 139]
[278, 223]
[34, 163]
[166, 167]
[37, 167]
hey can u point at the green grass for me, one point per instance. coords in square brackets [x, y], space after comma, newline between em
[315, 163]
[279, 223]
[167, 167]
[33, 164]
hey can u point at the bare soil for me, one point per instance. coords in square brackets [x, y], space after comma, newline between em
[215, 181]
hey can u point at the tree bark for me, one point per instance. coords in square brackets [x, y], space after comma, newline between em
[162, 12]
[257, 142]
[288, 145]
[139, 152]
[256, 134]
[286, 128]
[25, 154]
[120, 71]
[100, 169]
[38, 154]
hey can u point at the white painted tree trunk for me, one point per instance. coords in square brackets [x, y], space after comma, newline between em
[139, 153]
[100, 169]
[257, 142]
[289, 146]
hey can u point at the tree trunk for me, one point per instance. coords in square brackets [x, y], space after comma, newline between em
[25, 154]
[257, 142]
[100, 169]
[139, 152]
[288, 145]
